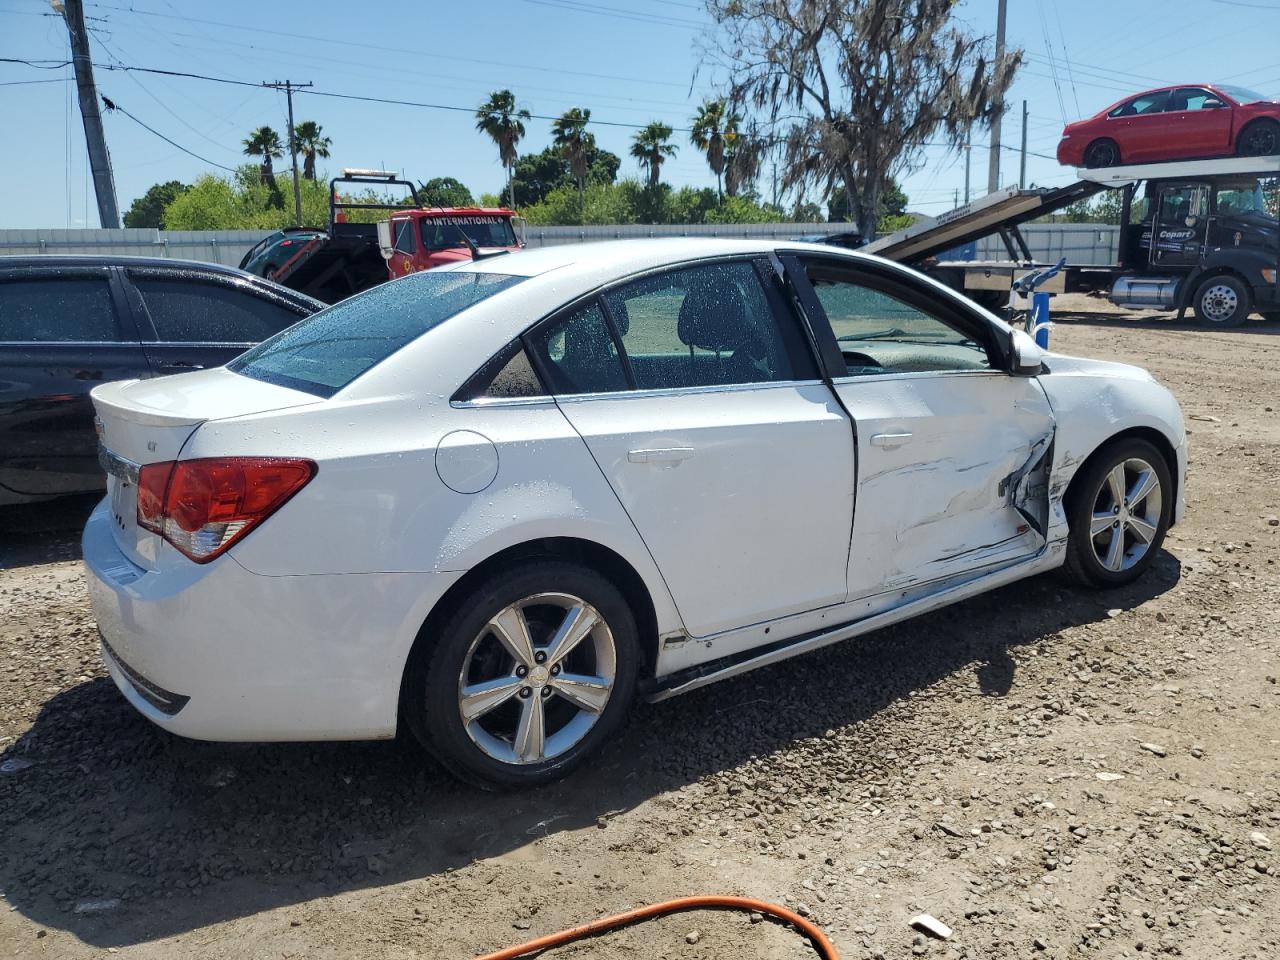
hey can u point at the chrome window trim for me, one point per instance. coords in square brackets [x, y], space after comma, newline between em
[683, 391]
[915, 375]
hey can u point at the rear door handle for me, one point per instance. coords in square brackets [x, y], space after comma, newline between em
[660, 455]
[890, 440]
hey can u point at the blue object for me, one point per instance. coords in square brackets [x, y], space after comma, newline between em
[1038, 316]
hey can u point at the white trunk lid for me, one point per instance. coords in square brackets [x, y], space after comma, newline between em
[148, 421]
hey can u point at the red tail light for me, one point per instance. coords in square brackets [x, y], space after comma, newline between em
[202, 507]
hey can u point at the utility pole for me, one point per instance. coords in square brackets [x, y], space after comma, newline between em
[288, 87]
[993, 167]
[99, 160]
[968, 155]
[1022, 165]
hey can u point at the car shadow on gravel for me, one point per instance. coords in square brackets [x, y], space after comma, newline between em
[122, 834]
[47, 532]
[1105, 317]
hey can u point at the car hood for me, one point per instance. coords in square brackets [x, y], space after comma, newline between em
[1061, 365]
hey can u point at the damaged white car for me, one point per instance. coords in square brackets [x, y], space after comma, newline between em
[495, 502]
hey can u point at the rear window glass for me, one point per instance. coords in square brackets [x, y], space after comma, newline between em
[43, 311]
[326, 351]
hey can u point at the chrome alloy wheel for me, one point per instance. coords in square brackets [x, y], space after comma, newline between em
[1218, 303]
[537, 678]
[1126, 514]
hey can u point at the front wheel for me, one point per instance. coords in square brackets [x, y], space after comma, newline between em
[1118, 511]
[534, 671]
[1102, 153]
[1259, 139]
[1223, 301]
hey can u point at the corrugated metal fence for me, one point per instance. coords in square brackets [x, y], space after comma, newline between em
[1080, 243]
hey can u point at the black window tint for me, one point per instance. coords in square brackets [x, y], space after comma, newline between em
[516, 379]
[326, 351]
[704, 326]
[188, 311]
[1146, 104]
[579, 353]
[57, 310]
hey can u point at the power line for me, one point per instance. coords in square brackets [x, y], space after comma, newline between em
[384, 49]
[580, 7]
[19, 83]
[39, 64]
[112, 106]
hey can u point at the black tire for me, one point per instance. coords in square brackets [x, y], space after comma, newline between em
[1259, 139]
[1102, 153]
[1222, 301]
[1087, 497]
[432, 704]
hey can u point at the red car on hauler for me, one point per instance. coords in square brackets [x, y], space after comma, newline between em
[1175, 123]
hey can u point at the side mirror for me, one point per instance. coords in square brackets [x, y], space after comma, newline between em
[521, 226]
[385, 245]
[1212, 103]
[1028, 358]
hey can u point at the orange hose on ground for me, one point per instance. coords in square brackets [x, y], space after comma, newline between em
[819, 940]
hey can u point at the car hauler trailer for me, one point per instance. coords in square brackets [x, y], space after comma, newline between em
[1199, 234]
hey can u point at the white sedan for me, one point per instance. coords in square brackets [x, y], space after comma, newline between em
[497, 501]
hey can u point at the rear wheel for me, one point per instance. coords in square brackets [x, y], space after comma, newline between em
[1102, 153]
[531, 675]
[1222, 301]
[1118, 511]
[1259, 139]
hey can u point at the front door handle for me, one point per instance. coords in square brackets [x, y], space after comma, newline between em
[889, 440]
[660, 455]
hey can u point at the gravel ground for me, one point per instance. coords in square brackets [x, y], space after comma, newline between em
[1050, 771]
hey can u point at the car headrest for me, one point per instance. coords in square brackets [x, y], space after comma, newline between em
[714, 318]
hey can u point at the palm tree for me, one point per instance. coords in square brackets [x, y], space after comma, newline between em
[265, 143]
[308, 142]
[569, 133]
[504, 124]
[651, 147]
[711, 124]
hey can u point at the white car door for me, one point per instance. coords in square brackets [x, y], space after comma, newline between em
[951, 449]
[732, 458]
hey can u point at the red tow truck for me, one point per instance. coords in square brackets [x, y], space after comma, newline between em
[343, 258]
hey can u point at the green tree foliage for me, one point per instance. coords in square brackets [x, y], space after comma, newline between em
[265, 143]
[651, 146]
[309, 141]
[148, 209]
[570, 136]
[243, 202]
[710, 125]
[631, 201]
[537, 174]
[499, 119]
[446, 192]
[892, 214]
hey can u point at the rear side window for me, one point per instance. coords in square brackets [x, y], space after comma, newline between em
[705, 326]
[579, 354]
[57, 310]
[326, 351]
[186, 311]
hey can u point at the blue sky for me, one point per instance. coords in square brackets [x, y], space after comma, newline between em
[629, 62]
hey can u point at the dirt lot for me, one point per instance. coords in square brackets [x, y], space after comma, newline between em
[1052, 772]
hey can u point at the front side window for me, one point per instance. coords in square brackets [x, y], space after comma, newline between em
[1144, 105]
[57, 310]
[185, 311]
[329, 349]
[1189, 98]
[709, 325]
[881, 333]
[404, 235]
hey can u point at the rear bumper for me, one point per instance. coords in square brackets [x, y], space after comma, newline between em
[215, 652]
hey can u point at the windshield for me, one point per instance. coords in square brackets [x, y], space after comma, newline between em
[445, 233]
[1242, 94]
[328, 350]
